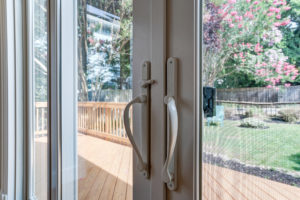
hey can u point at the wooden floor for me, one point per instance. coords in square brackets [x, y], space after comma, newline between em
[105, 173]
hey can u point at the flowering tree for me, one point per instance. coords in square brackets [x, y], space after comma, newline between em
[242, 36]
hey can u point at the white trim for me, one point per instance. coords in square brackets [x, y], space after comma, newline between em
[54, 97]
[20, 65]
[7, 78]
[29, 97]
[197, 189]
[68, 99]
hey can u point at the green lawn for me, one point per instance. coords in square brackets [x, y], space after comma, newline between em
[276, 147]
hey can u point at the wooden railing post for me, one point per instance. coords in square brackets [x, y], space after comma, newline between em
[107, 120]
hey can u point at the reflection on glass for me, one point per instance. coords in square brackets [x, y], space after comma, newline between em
[251, 143]
[104, 88]
[40, 98]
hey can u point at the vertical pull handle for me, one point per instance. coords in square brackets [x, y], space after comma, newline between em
[144, 100]
[142, 166]
[169, 173]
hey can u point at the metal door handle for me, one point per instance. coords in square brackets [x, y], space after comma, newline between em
[144, 99]
[169, 172]
[168, 169]
[142, 166]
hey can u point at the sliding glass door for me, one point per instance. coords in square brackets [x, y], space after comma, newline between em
[250, 136]
[104, 88]
[85, 66]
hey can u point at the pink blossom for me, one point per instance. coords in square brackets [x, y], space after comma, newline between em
[270, 14]
[272, 9]
[278, 70]
[231, 25]
[277, 10]
[278, 16]
[248, 45]
[287, 85]
[231, 1]
[233, 13]
[269, 86]
[249, 15]
[255, 2]
[294, 77]
[258, 48]
[240, 26]
[238, 18]
[277, 24]
[287, 8]
[248, 1]
[235, 55]
[241, 55]
[284, 23]
[229, 20]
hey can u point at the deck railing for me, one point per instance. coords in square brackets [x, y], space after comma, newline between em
[99, 119]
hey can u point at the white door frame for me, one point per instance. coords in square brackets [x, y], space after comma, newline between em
[184, 42]
[151, 38]
[7, 99]
[11, 99]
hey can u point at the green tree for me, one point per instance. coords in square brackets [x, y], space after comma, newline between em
[291, 35]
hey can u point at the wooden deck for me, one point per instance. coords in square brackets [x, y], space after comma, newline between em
[105, 173]
[222, 184]
[104, 169]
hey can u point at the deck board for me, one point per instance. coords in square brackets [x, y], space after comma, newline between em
[105, 173]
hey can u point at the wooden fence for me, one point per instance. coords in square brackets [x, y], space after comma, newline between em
[260, 94]
[99, 119]
[237, 109]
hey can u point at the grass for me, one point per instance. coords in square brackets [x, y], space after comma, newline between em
[275, 147]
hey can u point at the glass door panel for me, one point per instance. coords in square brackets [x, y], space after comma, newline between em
[104, 89]
[251, 132]
[40, 92]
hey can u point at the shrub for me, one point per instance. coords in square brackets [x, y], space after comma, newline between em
[249, 113]
[253, 123]
[288, 115]
[212, 123]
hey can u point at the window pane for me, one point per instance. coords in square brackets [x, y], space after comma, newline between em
[40, 63]
[104, 88]
[251, 128]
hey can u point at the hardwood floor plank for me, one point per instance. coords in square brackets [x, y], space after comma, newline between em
[130, 177]
[110, 182]
[121, 185]
[217, 188]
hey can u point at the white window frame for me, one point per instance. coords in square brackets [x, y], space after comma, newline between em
[16, 100]
[11, 99]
